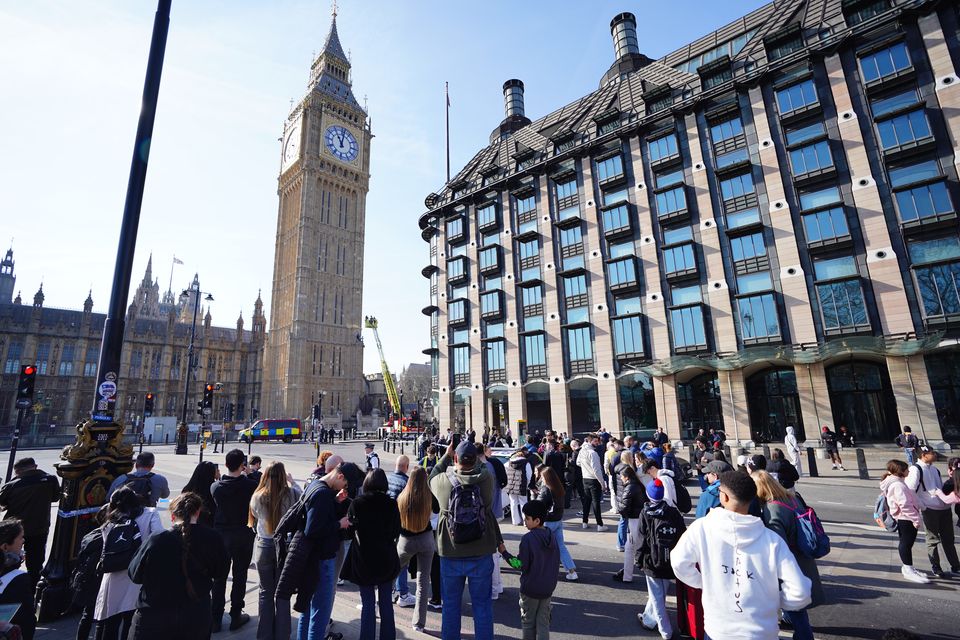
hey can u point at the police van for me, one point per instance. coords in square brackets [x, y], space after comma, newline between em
[285, 430]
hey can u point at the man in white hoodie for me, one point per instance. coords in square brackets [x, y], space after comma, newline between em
[747, 572]
[589, 462]
[793, 449]
[924, 478]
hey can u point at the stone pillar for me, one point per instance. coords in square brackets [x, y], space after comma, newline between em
[911, 390]
[668, 411]
[560, 406]
[733, 403]
[945, 75]
[814, 399]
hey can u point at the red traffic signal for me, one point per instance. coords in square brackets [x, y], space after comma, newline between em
[25, 385]
[29, 370]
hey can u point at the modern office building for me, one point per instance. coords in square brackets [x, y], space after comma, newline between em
[756, 230]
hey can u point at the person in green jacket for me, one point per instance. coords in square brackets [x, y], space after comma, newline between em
[467, 537]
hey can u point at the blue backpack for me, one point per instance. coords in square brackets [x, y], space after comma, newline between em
[812, 540]
[881, 514]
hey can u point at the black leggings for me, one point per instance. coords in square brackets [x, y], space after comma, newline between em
[115, 627]
[593, 492]
[908, 535]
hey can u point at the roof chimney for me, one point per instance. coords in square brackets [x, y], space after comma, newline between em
[513, 98]
[623, 28]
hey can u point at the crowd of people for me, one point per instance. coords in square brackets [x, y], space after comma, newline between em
[741, 559]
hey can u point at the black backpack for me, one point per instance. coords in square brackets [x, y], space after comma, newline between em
[684, 503]
[85, 579]
[142, 486]
[121, 540]
[662, 537]
[293, 521]
[466, 517]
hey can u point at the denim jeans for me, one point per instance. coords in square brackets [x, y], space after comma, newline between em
[313, 625]
[911, 457]
[369, 594]
[403, 587]
[477, 572]
[565, 558]
[622, 532]
[801, 624]
[655, 613]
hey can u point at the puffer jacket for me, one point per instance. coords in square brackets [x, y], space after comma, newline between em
[300, 573]
[630, 499]
[518, 476]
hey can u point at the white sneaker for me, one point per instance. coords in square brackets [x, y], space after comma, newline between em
[643, 623]
[572, 575]
[841, 468]
[407, 601]
[494, 595]
[601, 527]
[585, 525]
[417, 627]
[833, 466]
[913, 575]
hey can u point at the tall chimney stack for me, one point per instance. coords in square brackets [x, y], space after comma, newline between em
[623, 28]
[513, 97]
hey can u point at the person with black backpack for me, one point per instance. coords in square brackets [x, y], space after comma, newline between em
[467, 536]
[149, 486]
[86, 576]
[128, 525]
[661, 526]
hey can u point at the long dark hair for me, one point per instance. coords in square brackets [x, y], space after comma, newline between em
[552, 480]
[203, 476]
[124, 505]
[376, 480]
[10, 528]
[182, 509]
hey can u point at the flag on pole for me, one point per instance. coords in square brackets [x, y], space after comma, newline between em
[177, 260]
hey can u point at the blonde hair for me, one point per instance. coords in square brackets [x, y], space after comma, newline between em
[626, 457]
[769, 489]
[273, 494]
[415, 502]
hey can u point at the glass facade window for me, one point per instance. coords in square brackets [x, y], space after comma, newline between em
[865, 10]
[573, 262]
[729, 48]
[571, 237]
[938, 288]
[455, 229]
[459, 336]
[785, 47]
[456, 268]
[688, 329]
[804, 132]
[534, 352]
[461, 364]
[918, 201]
[796, 96]
[532, 273]
[679, 258]
[528, 249]
[531, 297]
[627, 338]
[888, 104]
[726, 130]
[487, 215]
[716, 79]
[622, 273]
[15, 352]
[671, 201]
[686, 295]
[456, 252]
[813, 157]
[493, 330]
[457, 292]
[910, 174]
[526, 204]
[758, 317]
[526, 227]
[574, 286]
[737, 186]
[833, 268]
[743, 218]
[825, 225]
[842, 306]
[620, 249]
[668, 178]
[819, 198]
[488, 239]
[747, 247]
[623, 306]
[489, 258]
[457, 311]
[753, 282]
[616, 219]
[903, 129]
[613, 197]
[610, 168]
[663, 147]
[533, 323]
[579, 344]
[492, 282]
[935, 250]
[675, 236]
[884, 63]
[568, 201]
[490, 303]
[577, 315]
[732, 158]
[66, 360]
[495, 355]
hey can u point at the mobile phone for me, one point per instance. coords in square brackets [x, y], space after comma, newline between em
[455, 439]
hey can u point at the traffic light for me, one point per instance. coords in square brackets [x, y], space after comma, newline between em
[28, 379]
[208, 396]
[200, 408]
[229, 414]
[254, 413]
[316, 412]
[148, 405]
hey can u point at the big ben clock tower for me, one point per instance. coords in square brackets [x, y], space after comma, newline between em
[313, 347]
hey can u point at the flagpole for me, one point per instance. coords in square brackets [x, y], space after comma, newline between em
[172, 262]
[447, 94]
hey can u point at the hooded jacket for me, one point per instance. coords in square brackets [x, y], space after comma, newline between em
[747, 574]
[540, 556]
[518, 475]
[790, 442]
[925, 479]
[709, 499]
[589, 462]
[669, 486]
[441, 488]
[901, 500]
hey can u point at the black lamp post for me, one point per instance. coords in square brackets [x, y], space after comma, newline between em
[181, 448]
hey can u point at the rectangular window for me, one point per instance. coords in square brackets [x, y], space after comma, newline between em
[688, 329]
[457, 292]
[461, 365]
[454, 229]
[459, 336]
[579, 344]
[616, 220]
[533, 323]
[758, 317]
[747, 247]
[493, 330]
[885, 63]
[495, 355]
[15, 352]
[804, 132]
[669, 178]
[533, 273]
[534, 352]
[43, 357]
[924, 201]
[663, 147]
[813, 157]
[490, 303]
[785, 47]
[575, 290]
[797, 96]
[623, 306]
[620, 249]
[573, 262]
[66, 360]
[609, 168]
[458, 251]
[526, 227]
[577, 315]
[622, 273]
[903, 129]
[489, 258]
[743, 218]
[567, 198]
[457, 311]
[718, 78]
[935, 250]
[861, 11]
[487, 215]
[613, 197]
[672, 201]
[734, 157]
[726, 130]
[675, 236]
[532, 299]
[842, 306]
[939, 289]
[526, 204]
[910, 174]
[737, 186]
[889, 104]
[679, 258]
[571, 237]
[753, 282]
[627, 338]
[528, 249]
[90, 361]
[828, 224]
[686, 295]
[492, 282]
[456, 268]
[819, 198]
[661, 103]
[834, 268]
[489, 238]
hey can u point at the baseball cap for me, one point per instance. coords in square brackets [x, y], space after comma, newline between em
[466, 451]
[717, 467]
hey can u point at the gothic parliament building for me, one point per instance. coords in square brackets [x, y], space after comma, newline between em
[313, 348]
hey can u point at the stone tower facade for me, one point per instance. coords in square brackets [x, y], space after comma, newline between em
[314, 346]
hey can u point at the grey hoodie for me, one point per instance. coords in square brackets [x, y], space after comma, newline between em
[540, 556]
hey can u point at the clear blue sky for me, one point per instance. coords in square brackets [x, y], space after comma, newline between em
[72, 79]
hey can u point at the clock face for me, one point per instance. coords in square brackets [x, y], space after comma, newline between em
[341, 143]
[291, 144]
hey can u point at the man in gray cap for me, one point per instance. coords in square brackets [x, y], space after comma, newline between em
[710, 498]
[373, 460]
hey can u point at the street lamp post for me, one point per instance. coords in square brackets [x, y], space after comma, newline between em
[181, 448]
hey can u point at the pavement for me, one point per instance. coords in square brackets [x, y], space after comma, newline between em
[865, 591]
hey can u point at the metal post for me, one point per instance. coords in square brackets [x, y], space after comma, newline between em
[13, 445]
[862, 465]
[812, 463]
[181, 448]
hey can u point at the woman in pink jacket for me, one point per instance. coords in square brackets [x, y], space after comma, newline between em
[905, 509]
